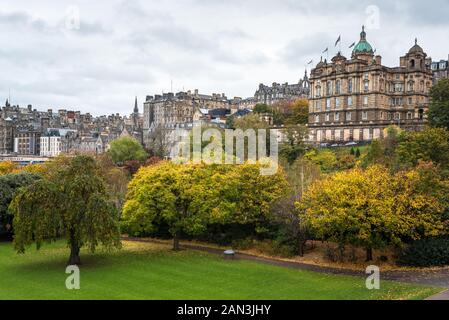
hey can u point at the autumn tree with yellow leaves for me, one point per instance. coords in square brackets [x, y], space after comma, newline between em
[188, 198]
[373, 209]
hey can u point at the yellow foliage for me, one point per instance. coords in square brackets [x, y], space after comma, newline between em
[372, 208]
[7, 167]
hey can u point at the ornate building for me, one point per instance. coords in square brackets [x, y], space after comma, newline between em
[172, 111]
[356, 99]
[282, 92]
[440, 70]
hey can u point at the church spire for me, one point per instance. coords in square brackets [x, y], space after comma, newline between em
[136, 108]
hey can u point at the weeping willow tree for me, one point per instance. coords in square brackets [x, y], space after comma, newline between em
[71, 202]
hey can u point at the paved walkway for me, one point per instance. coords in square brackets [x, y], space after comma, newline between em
[437, 278]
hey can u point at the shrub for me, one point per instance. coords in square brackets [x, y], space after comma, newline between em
[427, 252]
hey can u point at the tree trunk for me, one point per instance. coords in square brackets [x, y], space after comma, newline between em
[74, 259]
[369, 254]
[176, 242]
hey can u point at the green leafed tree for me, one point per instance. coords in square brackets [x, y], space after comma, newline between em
[9, 185]
[71, 202]
[127, 149]
[431, 144]
[439, 104]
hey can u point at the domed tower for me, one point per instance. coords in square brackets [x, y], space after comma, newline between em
[415, 59]
[363, 50]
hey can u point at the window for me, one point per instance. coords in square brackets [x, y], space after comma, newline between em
[329, 88]
[317, 118]
[350, 86]
[409, 115]
[398, 77]
[348, 116]
[364, 115]
[337, 102]
[365, 100]
[350, 101]
[327, 117]
[398, 87]
[328, 104]
[318, 91]
[410, 100]
[338, 87]
[366, 86]
[337, 116]
[318, 106]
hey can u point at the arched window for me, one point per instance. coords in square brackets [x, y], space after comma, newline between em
[412, 63]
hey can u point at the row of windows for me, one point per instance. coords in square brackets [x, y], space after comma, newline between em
[349, 116]
[391, 87]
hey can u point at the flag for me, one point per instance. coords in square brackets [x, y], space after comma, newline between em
[327, 50]
[338, 40]
[352, 45]
[311, 61]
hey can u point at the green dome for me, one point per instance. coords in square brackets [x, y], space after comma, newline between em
[363, 46]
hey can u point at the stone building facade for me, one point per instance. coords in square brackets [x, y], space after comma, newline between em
[171, 111]
[356, 99]
[282, 92]
[440, 70]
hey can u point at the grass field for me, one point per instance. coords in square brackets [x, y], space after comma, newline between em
[147, 271]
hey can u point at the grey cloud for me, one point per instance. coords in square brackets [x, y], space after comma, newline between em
[298, 52]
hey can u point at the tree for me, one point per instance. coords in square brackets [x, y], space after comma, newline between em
[250, 121]
[383, 151]
[294, 144]
[7, 167]
[188, 198]
[326, 159]
[373, 209]
[9, 185]
[439, 104]
[262, 108]
[182, 196]
[298, 113]
[159, 143]
[246, 196]
[432, 144]
[127, 149]
[72, 202]
[116, 179]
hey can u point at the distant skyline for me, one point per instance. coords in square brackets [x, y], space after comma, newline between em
[124, 49]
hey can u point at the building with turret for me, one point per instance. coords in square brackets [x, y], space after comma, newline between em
[282, 92]
[356, 99]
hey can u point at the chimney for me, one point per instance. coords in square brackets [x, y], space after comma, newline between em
[379, 60]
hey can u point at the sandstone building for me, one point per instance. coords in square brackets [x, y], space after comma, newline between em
[282, 92]
[440, 70]
[356, 99]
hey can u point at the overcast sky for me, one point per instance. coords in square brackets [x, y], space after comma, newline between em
[133, 48]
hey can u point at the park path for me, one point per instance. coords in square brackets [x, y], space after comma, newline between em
[436, 278]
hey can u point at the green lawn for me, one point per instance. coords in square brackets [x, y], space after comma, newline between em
[146, 271]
